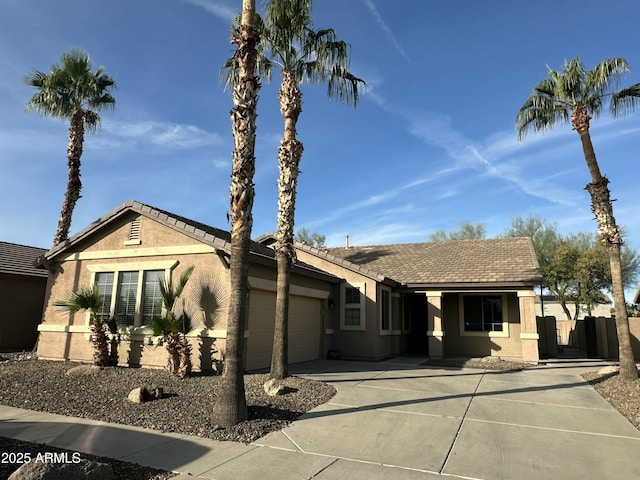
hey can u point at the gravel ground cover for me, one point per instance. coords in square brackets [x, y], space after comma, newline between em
[101, 394]
[49, 386]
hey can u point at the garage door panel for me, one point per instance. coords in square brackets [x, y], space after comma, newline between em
[305, 323]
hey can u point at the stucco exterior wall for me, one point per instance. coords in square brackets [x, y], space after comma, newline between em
[67, 336]
[351, 343]
[455, 344]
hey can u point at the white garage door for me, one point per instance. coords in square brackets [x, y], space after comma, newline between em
[305, 323]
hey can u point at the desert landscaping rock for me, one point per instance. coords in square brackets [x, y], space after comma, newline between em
[82, 470]
[273, 388]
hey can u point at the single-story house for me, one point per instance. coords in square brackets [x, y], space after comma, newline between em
[452, 298]
[22, 289]
[128, 251]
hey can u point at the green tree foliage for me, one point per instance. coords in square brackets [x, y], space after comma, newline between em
[575, 95]
[466, 231]
[90, 300]
[174, 324]
[575, 267]
[312, 239]
[71, 91]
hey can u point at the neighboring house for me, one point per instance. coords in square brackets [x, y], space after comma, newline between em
[553, 308]
[130, 249]
[453, 298]
[468, 298]
[22, 289]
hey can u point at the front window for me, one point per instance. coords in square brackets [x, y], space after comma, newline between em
[352, 300]
[131, 296]
[126, 301]
[389, 312]
[484, 314]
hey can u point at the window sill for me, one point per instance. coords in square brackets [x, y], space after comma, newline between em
[504, 334]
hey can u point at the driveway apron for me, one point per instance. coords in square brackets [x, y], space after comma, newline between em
[426, 422]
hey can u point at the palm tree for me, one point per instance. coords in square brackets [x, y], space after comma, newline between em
[230, 406]
[71, 91]
[89, 299]
[291, 44]
[173, 327]
[575, 95]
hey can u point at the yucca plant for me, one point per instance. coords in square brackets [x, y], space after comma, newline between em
[174, 328]
[89, 299]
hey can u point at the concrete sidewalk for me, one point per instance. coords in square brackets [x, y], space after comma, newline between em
[392, 419]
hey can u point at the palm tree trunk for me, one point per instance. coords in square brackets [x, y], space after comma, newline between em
[609, 235]
[100, 342]
[230, 407]
[289, 155]
[74, 185]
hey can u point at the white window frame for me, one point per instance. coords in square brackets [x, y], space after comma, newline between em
[505, 316]
[344, 305]
[140, 267]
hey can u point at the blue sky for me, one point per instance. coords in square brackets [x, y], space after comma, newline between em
[432, 142]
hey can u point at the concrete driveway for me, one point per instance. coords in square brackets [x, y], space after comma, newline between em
[391, 420]
[399, 420]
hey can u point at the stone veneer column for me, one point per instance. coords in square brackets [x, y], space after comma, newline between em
[528, 327]
[435, 332]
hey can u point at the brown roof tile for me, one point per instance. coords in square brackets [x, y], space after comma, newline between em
[500, 260]
[20, 260]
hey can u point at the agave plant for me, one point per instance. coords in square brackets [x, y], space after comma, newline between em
[89, 299]
[173, 328]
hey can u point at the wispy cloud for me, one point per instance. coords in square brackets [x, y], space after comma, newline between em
[216, 8]
[385, 28]
[163, 134]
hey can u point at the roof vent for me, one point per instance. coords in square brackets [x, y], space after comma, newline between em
[134, 233]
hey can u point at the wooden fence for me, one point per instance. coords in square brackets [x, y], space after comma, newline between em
[597, 337]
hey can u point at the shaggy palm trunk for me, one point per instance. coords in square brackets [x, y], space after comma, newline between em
[185, 366]
[609, 235]
[113, 353]
[173, 352]
[74, 185]
[99, 341]
[230, 407]
[289, 154]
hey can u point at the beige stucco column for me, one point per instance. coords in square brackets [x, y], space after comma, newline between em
[435, 332]
[528, 327]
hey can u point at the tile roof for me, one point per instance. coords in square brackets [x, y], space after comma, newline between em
[20, 260]
[215, 237]
[501, 261]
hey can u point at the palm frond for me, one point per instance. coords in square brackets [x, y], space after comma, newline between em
[70, 86]
[84, 299]
[625, 101]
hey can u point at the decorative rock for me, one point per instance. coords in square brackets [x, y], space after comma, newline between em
[81, 470]
[273, 389]
[83, 370]
[144, 394]
[609, 370]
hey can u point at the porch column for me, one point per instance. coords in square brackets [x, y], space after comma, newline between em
[528, 327]
[435, 332]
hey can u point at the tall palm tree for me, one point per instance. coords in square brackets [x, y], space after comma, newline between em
[71, 91]
[173, 327]
[89, 299]
[291, 44]
[575, 95]
[230, 406]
